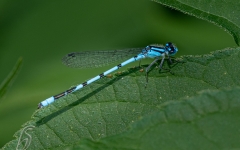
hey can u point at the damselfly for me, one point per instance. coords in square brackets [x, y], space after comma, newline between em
[100, 58]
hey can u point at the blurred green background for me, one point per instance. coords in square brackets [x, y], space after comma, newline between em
[42, 32]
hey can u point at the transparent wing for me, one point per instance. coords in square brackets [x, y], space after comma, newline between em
[91, 59]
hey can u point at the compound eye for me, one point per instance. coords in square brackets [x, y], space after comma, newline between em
[169, 44]
[148, 48]
[170, 47]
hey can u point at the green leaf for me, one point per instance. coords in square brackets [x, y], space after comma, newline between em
[224, 13]
[207, 121]
[5, 85]
[109, 106]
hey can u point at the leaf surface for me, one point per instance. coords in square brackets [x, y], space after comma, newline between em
[209, 120]
[109, 106]
[224, 13]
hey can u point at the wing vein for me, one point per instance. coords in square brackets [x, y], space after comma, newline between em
[93, 59]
